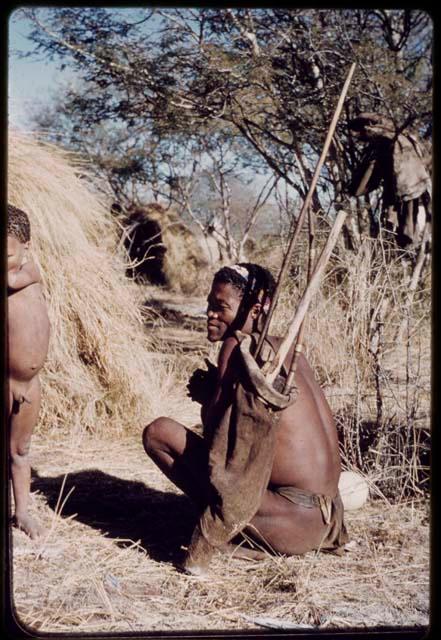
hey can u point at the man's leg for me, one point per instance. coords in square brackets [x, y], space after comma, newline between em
[22, 421]
[181, 455]
[286, 528]
[279, 526]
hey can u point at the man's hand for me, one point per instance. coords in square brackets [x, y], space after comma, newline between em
[202, 383]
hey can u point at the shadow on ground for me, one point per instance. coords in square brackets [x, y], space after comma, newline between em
[124, 509]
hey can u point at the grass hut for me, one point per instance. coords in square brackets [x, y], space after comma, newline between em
[100, 374]
[163, 249]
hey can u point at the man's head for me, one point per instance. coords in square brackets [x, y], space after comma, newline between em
[239, 298]
[19, 235]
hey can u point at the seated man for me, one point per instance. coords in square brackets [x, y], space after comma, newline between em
[301, 509]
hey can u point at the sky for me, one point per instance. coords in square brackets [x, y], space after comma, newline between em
[30, 79]
[33, 80]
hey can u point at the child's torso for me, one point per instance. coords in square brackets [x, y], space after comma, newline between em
[28, 332]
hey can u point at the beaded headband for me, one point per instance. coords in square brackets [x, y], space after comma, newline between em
[242, 271]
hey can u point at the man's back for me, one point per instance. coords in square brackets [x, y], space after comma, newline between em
[307, 453]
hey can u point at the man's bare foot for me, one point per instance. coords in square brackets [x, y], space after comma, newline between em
[190, 569]
[198, 556]
[244, 553]
[26, 523]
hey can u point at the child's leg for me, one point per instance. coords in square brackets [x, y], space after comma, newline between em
[22, 421]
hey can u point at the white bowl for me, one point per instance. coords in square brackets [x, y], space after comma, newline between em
[353, 489]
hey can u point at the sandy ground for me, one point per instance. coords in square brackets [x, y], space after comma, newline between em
[114, 529]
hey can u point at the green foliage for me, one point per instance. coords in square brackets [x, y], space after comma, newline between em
[167, 97]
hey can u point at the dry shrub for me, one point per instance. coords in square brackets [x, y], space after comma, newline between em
[185, 266]
[268, 252]
[100, 373]
[377, 382]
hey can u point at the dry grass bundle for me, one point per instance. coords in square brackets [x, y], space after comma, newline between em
[100, 374]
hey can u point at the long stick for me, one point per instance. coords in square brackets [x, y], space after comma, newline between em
[299, 342]
[304, 208]
[273, 369]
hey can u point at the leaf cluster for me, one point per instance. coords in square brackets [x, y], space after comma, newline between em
[267, 78]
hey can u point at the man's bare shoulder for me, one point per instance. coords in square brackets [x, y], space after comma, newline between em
[227, 348]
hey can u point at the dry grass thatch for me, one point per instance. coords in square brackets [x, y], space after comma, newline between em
[100, 373]
[170, 252]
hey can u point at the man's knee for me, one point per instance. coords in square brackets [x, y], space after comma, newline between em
[155, 434]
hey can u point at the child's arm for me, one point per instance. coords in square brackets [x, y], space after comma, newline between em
[27, 274]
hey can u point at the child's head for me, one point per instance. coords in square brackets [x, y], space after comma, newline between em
[19, 235]
[239, 298]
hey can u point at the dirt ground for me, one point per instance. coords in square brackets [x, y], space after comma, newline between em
[115, 528]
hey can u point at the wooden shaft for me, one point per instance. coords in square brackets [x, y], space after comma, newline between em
[304, 208]
[300, 341]
[272, 370]
[297, 349]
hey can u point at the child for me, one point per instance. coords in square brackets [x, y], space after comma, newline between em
[28, 339]
[301, 509]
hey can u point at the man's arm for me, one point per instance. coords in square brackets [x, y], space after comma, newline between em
[221, 397]
[202, 383]
[27, 274]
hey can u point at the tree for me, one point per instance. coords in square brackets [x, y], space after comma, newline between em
[268, 78]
